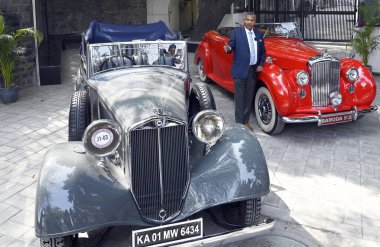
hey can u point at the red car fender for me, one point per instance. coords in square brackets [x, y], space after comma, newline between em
[203, 52]
[277, 83]
[365, 85]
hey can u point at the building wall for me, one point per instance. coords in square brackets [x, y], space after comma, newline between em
[74, 16]
[164, 10]
[18, 14]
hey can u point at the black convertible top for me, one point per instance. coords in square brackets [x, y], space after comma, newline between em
[99, 32]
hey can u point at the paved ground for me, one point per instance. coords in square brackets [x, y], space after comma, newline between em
[325, 180]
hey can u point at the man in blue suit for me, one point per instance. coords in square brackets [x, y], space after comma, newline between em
[247, 43]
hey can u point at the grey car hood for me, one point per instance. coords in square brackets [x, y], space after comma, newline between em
[135, 94]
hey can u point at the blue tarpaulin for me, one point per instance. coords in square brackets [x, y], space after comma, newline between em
[102, 33]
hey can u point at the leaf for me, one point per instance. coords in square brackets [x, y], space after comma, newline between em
[11, 48]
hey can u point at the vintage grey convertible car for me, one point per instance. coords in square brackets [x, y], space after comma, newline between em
[148, 150]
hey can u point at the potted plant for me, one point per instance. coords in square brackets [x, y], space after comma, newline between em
[364, 41]
[10, 51]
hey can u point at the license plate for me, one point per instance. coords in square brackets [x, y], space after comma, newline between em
[168, 234]
[336, 118]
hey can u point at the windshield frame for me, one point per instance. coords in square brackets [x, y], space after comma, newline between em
[296, 30]
[92, 49]
[226, 31]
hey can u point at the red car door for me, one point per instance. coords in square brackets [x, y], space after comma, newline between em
[221, 62]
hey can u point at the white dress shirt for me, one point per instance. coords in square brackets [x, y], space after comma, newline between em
[252, 45]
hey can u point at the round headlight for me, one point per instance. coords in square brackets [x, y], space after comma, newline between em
[335, 98]
[352, 74]
[302, 78]
[101, 137]
[208, 126]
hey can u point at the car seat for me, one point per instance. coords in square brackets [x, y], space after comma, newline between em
[140, 59]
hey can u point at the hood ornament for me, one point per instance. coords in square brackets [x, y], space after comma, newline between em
[158, 111]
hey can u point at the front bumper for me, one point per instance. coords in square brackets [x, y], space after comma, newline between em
[318, 118]
[232, 237]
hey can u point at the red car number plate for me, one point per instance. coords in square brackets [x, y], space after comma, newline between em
[336, 118]
[168, 234]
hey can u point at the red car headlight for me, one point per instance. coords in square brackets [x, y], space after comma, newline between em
[302, 78]
[352, 74]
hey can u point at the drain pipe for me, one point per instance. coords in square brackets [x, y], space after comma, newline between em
[36, 43]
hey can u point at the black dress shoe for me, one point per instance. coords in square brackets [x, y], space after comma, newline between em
[248, 126]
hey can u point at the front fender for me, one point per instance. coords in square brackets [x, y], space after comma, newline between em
[203, 53]
[76, 194]
[365, 85]
[235, 169]
[277, 83]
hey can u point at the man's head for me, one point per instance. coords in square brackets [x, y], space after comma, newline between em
[249, 20]
[172, 49]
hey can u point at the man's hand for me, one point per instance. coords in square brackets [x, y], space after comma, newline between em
[259, 68]
[227, 48]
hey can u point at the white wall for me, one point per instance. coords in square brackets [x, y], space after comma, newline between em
[374, 58]
[164, 10]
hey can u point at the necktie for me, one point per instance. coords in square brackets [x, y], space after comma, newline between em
[252, 58]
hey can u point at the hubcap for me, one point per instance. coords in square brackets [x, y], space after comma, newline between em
[265, 109]
[201, 73]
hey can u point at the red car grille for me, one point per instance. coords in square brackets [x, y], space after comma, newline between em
[325, 77]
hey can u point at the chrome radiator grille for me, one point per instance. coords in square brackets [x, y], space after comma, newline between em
[324, 80]
[159, 169]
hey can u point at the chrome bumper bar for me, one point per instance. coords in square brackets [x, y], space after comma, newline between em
[311, 119]
[372, 109]
[231, 237]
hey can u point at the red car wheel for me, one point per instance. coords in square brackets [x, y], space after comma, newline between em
[266, 114]
[202, 74]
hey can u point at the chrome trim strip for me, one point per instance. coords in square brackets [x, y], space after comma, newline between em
[160, 166]
[311, 119]
[235, 236]
[308, 119]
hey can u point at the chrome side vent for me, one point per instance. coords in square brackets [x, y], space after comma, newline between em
[325, 75]
[159, 169]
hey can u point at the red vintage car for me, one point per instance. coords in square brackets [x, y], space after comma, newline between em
[298, 84]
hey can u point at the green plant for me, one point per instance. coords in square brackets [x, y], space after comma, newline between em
[364, 41]
[11, 49]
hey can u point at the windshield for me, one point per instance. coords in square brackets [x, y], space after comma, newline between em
[137, 53]
[284, 29]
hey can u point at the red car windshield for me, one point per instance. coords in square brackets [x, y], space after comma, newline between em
[269, 30]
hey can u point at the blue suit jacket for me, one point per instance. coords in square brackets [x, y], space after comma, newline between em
[239, 44]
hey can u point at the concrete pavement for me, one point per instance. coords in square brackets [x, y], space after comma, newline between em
[325, 181]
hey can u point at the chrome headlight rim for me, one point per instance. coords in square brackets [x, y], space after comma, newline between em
[299, 80]
[196, 128]
[348, 75]
[110, 138]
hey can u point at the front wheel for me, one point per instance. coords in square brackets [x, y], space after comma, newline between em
[243, 213]
[79, 116]
[201, 98]
[266, 114]
[66, 241]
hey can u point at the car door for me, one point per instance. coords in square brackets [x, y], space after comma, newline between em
[221, 62]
